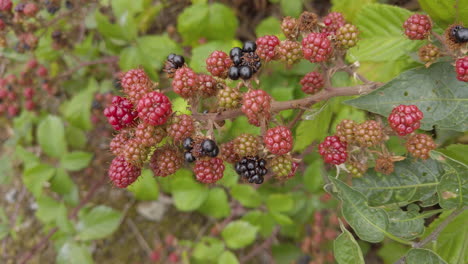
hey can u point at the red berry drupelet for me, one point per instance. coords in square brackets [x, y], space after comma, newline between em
[312, 82]
[209, 170]
[333, 21]
[207, 85]
[218, 64]
[461, 67]
[316, 47]
[417, 27]
[166, 161]
[419, 145]
[123, 173]
[154, 108]
[121, 113]
[266, 47]
[333, 150]
[181, 127]
[278, 140]
[256, 105]
[149, 135]
[135, 84]
[404, 119]
[185, 82]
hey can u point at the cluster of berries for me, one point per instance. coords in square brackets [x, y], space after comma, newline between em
[419, 27]
[245, 61]
[17, 92]
[404, 120]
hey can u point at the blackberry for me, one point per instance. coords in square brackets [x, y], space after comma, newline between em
[278, 140]
[384, 164]
[204, 148]
[218, 64]
[428, 53]
[368, 134]
[266, 47]
[281, 166]
[419, 146]
[189, 157]
[165, 161]
[307, 21]
[181, 127]
[234, 73]
[404, 119]
[246, 145]
[357, 169]
[188, 144]
[333, 150]
[149, 135]
[236, 52]
[209, 170]
[347, 36]
[228, 152]
[252, 60]
[289, 52]
[245, 72]
[417, 27]
[249, 46]
[173, 63]
[252, 168]
[290, 28]
[333, 22]
[461, 68]
[122, 173]
[460, 34]
[229, 97]
[345, 131]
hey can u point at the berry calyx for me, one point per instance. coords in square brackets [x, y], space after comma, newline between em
[154, 108]
[120, 113]
[165, 161]
[209, 170]
[333, 150]
[266, 47]
[218, 64]
[347, 36]
[185, 82]
[312, 82]
[252, 168]
[461, 68]
[122, 173]
[404, 119]
[368, 134]
[256, 105]
[246, 145]
[345, 131]
[333, 21]
[384, 165]
[316, 47]
[181, 127]
[278, 140]
[417, 27]
[419, 146]
[428, 53]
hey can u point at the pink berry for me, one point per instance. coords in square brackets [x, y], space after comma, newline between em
[333, 150]
[404, 119]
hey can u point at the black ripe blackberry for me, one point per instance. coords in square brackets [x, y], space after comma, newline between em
[189, 157]
[233, 73]
[249, 46]
[188, 144]
[237, 60]
[460, 34]
[252, 60]
[252, 168]
[209, 148]
[173, 63]
[236, 52]
[246, 61]
[245, 72]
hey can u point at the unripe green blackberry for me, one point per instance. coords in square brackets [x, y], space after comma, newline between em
[428, 53]
[368, 134]
[345, 131]
[229, 98]
[357, 169]
[246, 145]
[281, 166]
[289, 52]
[228, 152]
[347, 36]
[135, 153]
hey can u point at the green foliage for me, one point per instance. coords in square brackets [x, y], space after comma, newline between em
[99, 222]
[346, 249]
[51, 136]
[446, 12]
[75, 161]
[216, 204]
[419, 255]
[350, 8]
[246, 195]
[188, 194]
[239, 234]
[74, 253]
[146, 187]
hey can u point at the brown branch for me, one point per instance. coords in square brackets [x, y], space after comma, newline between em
[44, 241]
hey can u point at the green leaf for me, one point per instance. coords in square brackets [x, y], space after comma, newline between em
[413, 180]
[391, 251]
[145, 188]
[222, 22]
[35, 177]
[75, 161]
[426, 256]
[246, 195]
[51, 136]
[78, 136]
[406, 224]
[228, 258]
[126, 8]
[291, 8]
[313, 180]
[282, 219]
[216, 204]
[440, 96]
[98, 223]
[309, 131]
[446, 12]
[230, 177]
[188, 194]
[383, 45]
[181, 106]
[208, 249]
[369, 223]
[77, 111]
[456, 152]
[453, 187]
[346, 249]
[239, 234]
[280, 203]
[62, 184]
[286, 253]
[350, 8]
[269, 26]
[74, 253]
[112, 32]
[264, 222]
[48, 209]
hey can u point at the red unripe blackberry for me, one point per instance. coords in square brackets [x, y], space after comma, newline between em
[228, 97]
[278, 140]
[29, 105]
[13, 110]
[31, 64]
[123, 173]
[154, 108]
[461, 67]
[347, 36]
[42, 71]
[181, 127]
[404, 119]
[30, 9]
[119, 141]
[290, 28]
[312, 82]
[289, 52]
[345, 131]
[207, 85]
[218, 64]
[209, 170]
[6, 5]
[134, 77]
[333, 150]
[166, 161]
[417, 27]
[282, 166]
[28, 93]
[246, 145]
[333, 21]
[121, 113]
[185, 82]
[2, 25]
[12, 96]
[134, 152]
[428, 53]
[3, 108]
[419, 146]
[266, 47]
[256, 105]
[149, 135]
[3, 93]
[368, 134]
[228, 153]
[316, 47]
